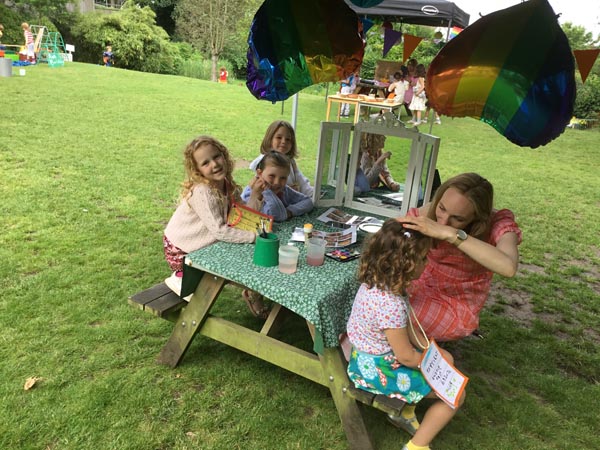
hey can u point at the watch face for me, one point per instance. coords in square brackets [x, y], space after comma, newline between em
[461, 234]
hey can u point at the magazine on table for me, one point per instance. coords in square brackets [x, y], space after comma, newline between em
[334, 239]
[335, 216]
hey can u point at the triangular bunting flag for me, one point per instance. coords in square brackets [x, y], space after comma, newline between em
[390, 38]
[585, 60]
[367, 24]
[410, 43]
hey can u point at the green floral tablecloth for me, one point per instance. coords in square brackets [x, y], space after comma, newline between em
[323, 295]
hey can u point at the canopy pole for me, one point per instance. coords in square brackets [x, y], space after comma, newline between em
[294, 110]
[448, 30]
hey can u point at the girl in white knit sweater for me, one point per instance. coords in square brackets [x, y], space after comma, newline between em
[201, 216]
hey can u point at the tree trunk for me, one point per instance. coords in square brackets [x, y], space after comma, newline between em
[213, 70]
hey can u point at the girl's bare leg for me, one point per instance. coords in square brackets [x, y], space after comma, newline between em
[436, 418]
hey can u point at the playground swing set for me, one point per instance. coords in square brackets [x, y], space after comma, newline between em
[49, 47]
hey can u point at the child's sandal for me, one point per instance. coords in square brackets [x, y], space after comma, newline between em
[255, 304]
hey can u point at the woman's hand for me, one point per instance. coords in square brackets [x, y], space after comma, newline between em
[503, 258]
[428, 227]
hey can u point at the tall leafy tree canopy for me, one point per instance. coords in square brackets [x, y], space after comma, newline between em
[211, 25]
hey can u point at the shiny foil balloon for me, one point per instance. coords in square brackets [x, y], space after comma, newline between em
[512, 69]
[294, 44]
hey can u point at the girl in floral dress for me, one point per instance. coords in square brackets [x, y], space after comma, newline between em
[386, 350]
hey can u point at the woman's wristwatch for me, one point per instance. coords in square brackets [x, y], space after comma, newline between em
[461, 236]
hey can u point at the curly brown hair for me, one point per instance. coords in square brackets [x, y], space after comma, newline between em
[391, 256]
[372, 143]
[193, 175]
[265, 147]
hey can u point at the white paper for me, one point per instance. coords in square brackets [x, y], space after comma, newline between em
[442, 376]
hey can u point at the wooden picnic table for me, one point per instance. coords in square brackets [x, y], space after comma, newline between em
[341, 99]
[322, 295]
[359, 103]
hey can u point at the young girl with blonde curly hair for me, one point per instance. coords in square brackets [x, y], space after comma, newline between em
[206, 197]
[386, 351]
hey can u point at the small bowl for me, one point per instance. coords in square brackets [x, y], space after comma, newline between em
[370, 227]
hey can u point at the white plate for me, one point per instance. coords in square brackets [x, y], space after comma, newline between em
[370, 227]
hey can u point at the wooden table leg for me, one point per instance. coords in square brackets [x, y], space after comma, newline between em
[356, 112]
[328, 110]
[334, 366]
[191, 319]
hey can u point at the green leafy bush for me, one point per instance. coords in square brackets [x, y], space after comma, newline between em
[587, 103]
[137, 42]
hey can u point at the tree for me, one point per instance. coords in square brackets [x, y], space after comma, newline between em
[579, 38]
[50, 8]
[210, 24]
[138, 44]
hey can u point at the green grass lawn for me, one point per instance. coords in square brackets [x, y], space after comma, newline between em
[90, 161]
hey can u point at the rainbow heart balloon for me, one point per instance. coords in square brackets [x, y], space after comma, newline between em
[295, 44]
[512, 69]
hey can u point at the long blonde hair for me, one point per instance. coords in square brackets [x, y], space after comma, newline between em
[265, 147]
[193, 175]
[480, 194]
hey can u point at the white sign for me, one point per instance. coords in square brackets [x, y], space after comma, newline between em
[447, 382]
[69, 48]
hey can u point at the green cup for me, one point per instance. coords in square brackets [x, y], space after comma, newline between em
[266, 250]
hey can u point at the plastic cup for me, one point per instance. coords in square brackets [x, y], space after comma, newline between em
[315, 253]
[288, 259]
[266, 250]
[22, 72]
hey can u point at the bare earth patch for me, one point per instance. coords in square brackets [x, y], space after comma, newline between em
[518, 306]
[241, 164]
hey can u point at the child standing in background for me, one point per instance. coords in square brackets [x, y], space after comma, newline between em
[29, 44]
[385, 356]
[1, 46]
[201, 216]
[269, 189]
[411, 77]
[281, 137]
[107, 56]
[399, 86]
[223, 74]
[348, 86]
[417, 104]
